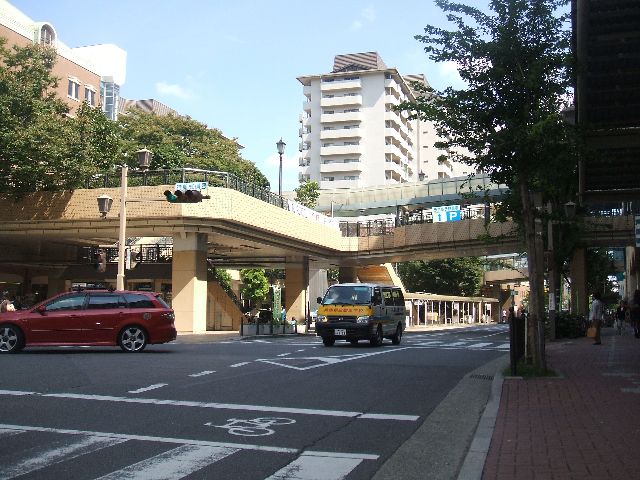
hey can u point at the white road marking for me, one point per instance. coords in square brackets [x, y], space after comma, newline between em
[284, 354]
[150, 387]
[504, 345]
[326, 360]
[176, 463]
[454, 344]
[7, 432]
[147, 438]
[480, 345]
[86, 443]
[241, 364]
[227, 406]
[301, 350]
[200, 374]
[311, 467]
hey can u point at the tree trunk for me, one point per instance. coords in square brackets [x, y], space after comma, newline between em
[535, 253]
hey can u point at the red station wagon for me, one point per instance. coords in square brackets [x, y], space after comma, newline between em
[91, 317]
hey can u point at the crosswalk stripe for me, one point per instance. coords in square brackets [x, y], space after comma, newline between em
[81, 446]
[454, 344]
[6, 432]
[433, 342]
[480, 345]
[504, 345]
[311, 467]
[176, 463]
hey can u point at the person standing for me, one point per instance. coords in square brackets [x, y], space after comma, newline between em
[621, 313]
[596, 315]
[634, 313]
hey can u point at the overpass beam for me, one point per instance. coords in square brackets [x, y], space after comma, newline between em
[296, 286]
[189, 282]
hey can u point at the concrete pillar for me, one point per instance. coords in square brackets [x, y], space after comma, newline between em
[55, 283]
[579, 294]
[189, 282]
[348, 275]
[296, 286]
[631, 272]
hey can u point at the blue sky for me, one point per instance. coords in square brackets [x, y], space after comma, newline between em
[233, 64]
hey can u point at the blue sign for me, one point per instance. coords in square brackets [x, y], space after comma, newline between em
[201, 186]
[447, 213]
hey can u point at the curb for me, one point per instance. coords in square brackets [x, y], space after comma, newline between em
[473, 464]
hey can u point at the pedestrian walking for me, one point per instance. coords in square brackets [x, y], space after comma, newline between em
[634, 313]
[596, 316]
[621, 314]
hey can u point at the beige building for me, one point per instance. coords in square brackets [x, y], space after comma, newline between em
[85, 74]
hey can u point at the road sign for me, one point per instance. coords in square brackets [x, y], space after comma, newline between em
[637, 230]
[201, 186]
[447, 213]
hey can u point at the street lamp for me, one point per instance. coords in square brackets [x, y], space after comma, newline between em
[280, 144]
[421, 176]
[104, 205]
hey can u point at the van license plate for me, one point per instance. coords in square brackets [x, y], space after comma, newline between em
[340, 332]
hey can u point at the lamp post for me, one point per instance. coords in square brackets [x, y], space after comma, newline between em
[104, 205]
[280, 144]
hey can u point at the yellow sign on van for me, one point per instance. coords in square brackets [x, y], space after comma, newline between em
[351, 310]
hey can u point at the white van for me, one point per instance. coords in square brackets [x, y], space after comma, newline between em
[361, 311]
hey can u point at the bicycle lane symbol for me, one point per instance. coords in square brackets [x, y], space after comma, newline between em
[255, 427]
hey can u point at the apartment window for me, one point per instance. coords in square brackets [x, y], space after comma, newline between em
[327, 128]
[351, 160]
[351, 143]
[74, 88]
[351, 177]
[90, 95]
[327, 144]
[352, 78]
[328, 80]
[329, 112]
[328, 96]
[328, 179]
[349, 110]
[47, 36]
[350, 94]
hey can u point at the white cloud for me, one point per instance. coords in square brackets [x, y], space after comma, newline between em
[367, 15]
[173, 90]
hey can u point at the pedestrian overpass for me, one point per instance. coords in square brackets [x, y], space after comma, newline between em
[44, 235]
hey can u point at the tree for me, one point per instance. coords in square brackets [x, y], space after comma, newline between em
[454, 276]
[178, 142]
[256, 285]
[507, 122]
[307, 194]
[41, 146]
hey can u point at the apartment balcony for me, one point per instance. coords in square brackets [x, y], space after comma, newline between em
[391, 83]
[341, 150]
[306, 138]
[340, 85]
[340, 133]
[341, 117]
[306, 106]
[392, 133]
[341, 167]
[394, 152]
[330, 185]
[391, 100]
[306, 90]
[341, 101]
[304, 162]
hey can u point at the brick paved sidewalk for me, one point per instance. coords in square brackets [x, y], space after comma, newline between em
[583, 425]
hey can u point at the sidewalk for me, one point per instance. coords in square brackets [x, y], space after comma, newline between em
[584, 424]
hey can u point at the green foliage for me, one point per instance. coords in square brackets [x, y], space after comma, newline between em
[222, 277]
[307, 194]
[256, 284]
[600, 265]
[455, 276]
[569, 325]
[506, 123]
[178, 142]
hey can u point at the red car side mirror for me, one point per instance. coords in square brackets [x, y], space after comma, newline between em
[41, 309]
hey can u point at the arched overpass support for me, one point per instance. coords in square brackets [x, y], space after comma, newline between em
[297, 289]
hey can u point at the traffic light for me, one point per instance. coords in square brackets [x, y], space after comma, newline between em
[101, 261]
[188, 196]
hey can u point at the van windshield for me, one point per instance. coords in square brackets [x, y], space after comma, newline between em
[347, 295]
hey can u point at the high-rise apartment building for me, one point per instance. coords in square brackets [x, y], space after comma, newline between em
[84, 73]
[351, 136]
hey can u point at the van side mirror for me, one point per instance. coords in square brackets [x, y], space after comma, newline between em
[319, 299]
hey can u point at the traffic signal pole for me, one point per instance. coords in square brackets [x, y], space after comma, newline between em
[122, 237]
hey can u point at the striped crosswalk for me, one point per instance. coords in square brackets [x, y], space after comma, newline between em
[180, 458]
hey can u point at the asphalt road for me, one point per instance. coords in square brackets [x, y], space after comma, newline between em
[198, 408]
